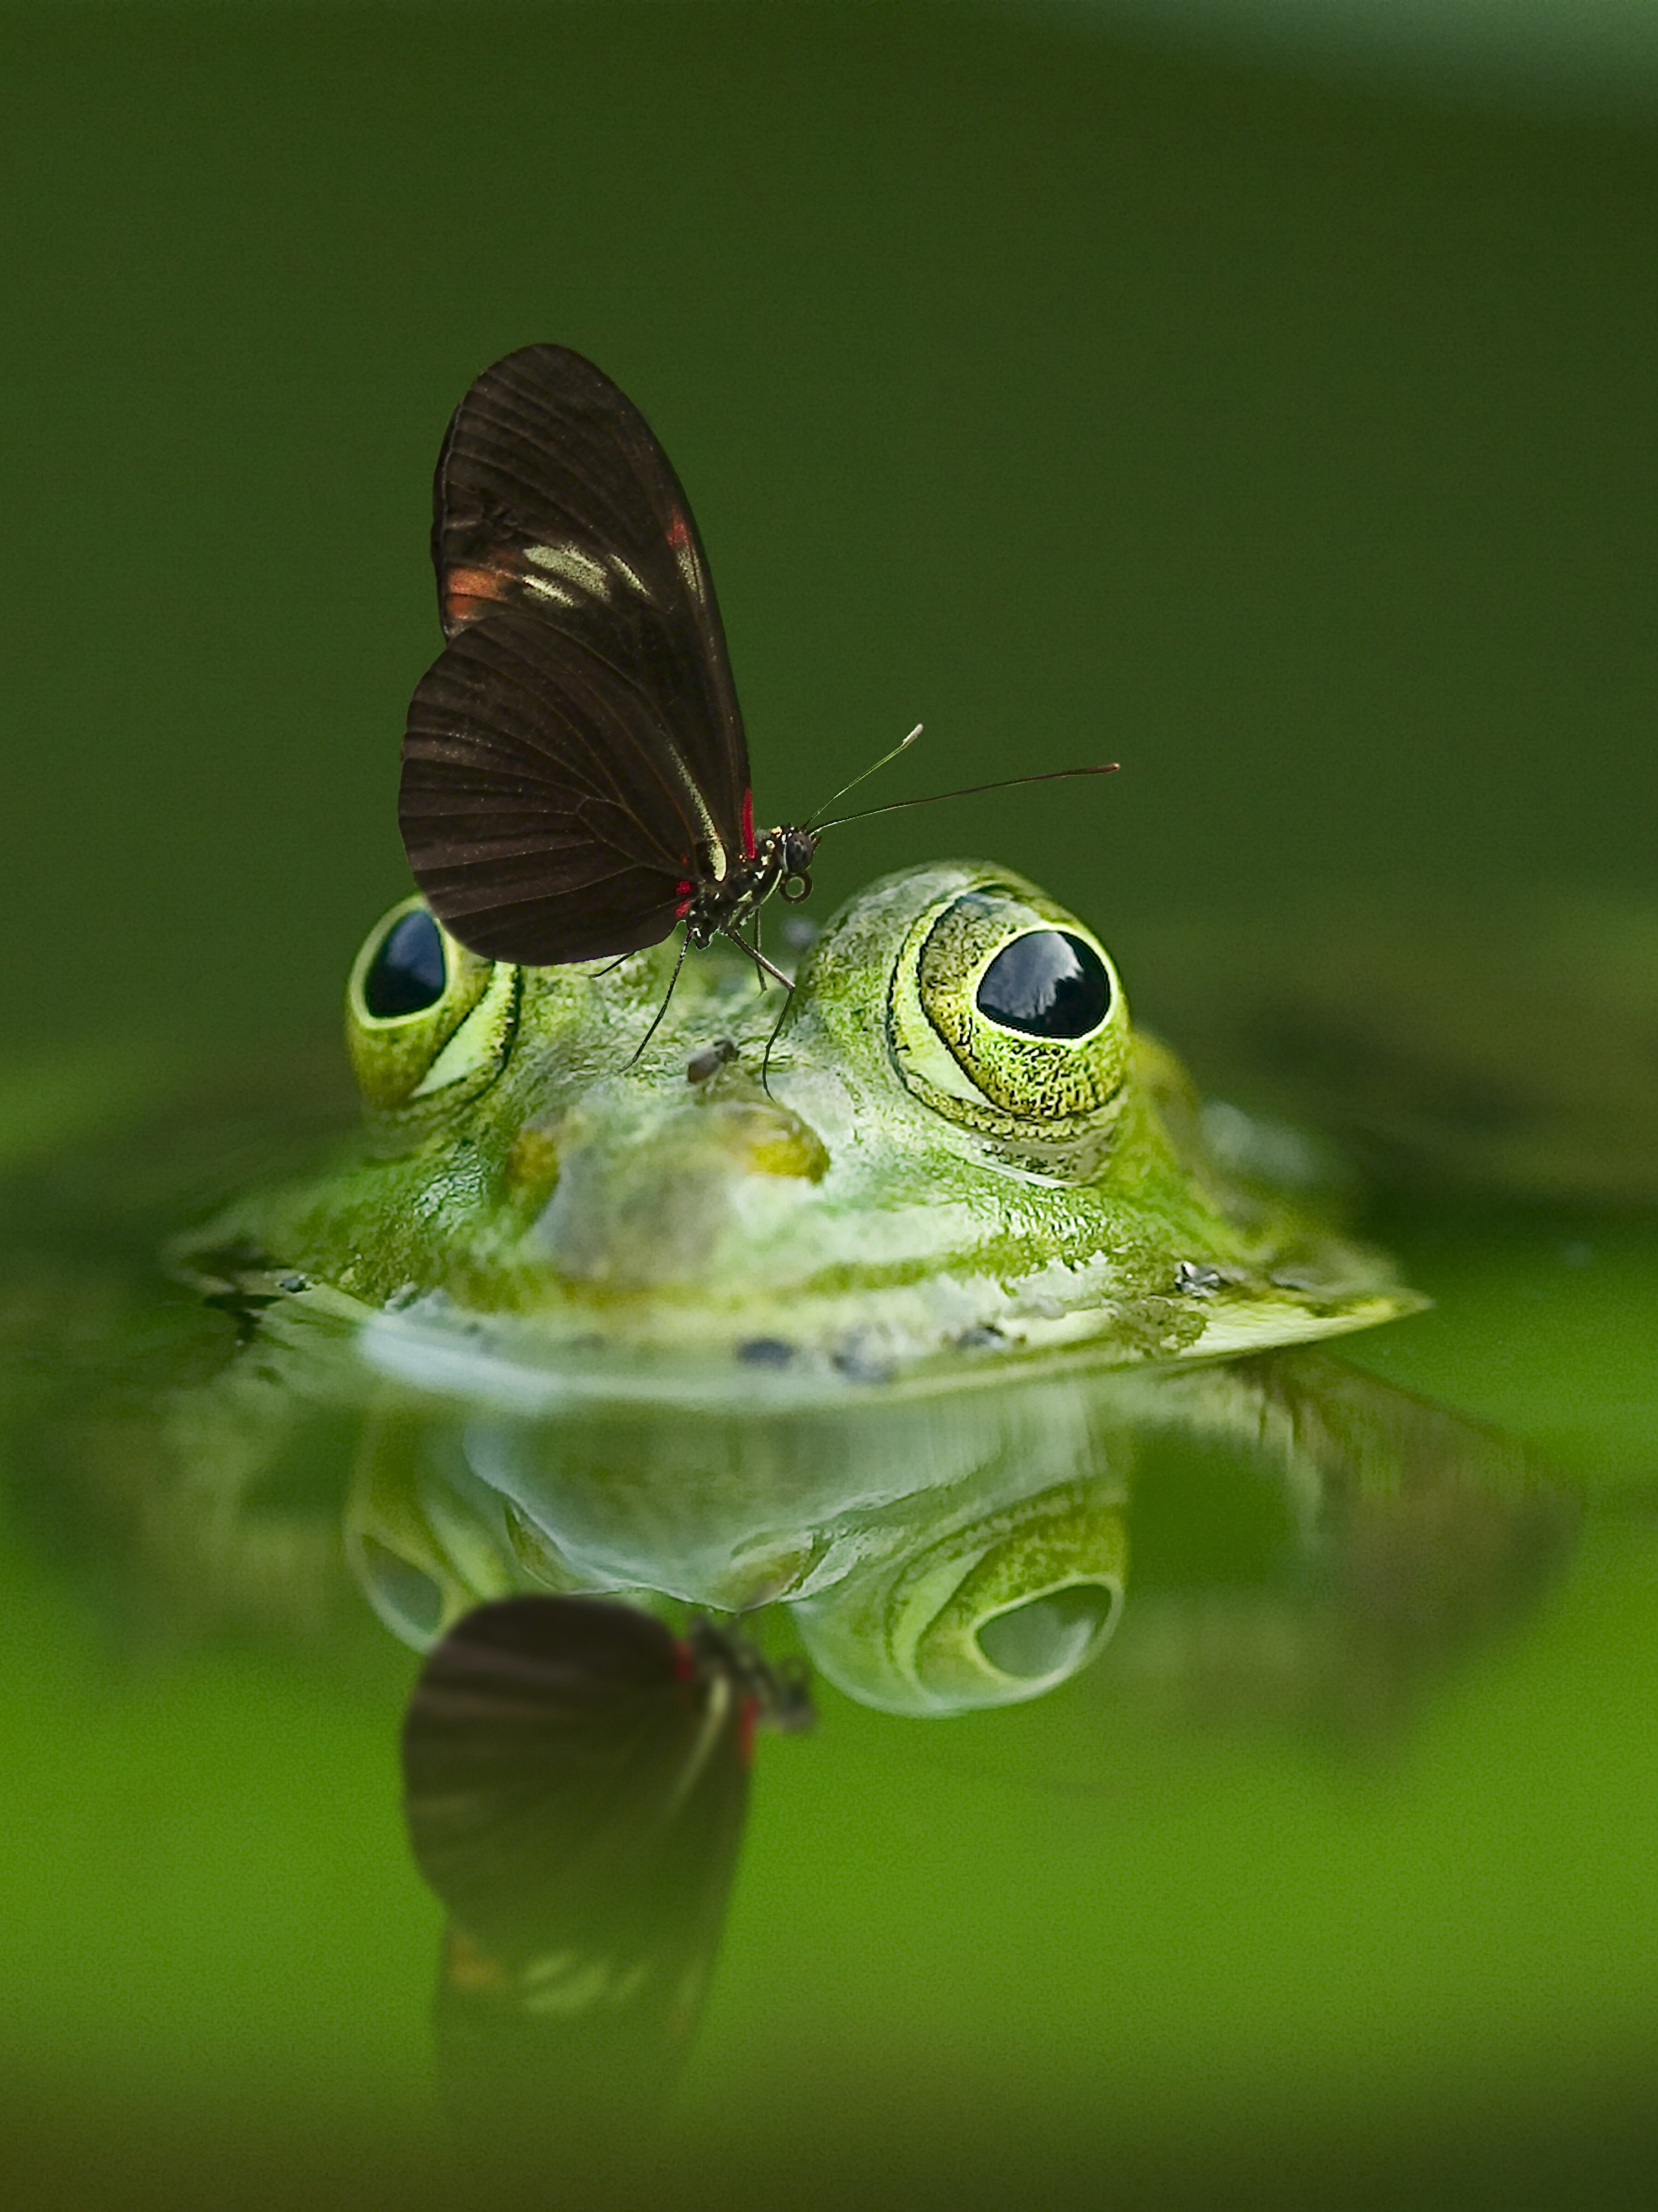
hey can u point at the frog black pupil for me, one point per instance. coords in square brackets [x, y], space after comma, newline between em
[1048, 984]
[407, 975]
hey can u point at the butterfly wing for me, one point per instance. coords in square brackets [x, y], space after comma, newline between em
[558, 518]
[576, 1781]
[544, 817]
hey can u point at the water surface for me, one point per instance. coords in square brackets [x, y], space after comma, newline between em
[1290, 443]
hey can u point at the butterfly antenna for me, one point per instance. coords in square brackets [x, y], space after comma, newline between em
[967, 791]
[667, 1000]
[863, 774]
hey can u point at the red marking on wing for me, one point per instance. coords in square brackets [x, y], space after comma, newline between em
[684, 1661]
[747, 824]
[678, 535]
[683, 893]
[467, 591]
[748, 1721]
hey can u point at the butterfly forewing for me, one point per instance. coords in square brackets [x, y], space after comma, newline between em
[557, 509]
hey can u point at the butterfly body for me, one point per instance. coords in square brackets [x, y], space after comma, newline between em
[779, 860]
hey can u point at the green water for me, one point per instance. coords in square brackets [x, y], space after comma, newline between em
[1293, 444]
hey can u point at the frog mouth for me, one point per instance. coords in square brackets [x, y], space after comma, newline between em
[928, 1343]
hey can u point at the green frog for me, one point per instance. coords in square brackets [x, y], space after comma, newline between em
[949, 1157]
[857, 1306]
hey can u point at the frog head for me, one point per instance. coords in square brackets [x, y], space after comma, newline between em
[949, 1151]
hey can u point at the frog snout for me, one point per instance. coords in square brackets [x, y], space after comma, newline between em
[636, 1209]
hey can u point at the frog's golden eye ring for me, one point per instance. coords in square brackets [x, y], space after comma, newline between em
[1006, 1014]
[428, 1024]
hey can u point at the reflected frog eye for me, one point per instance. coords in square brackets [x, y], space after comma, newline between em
[407, 972]
[428, 1023]
[1047, 1638]
[1006, 1014]
[998, 1610]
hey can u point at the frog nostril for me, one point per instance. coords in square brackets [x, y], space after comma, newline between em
[768, 1141]
[407, 973]
[1047, 983]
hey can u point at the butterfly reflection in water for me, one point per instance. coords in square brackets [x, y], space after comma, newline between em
[576, 1780]
[575, 776]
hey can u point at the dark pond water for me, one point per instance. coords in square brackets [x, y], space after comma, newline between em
[1293, 444]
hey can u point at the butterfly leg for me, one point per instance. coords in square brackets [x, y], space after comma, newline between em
[765, 1057]
[759, 960]
[777, 975]
[667, 1000]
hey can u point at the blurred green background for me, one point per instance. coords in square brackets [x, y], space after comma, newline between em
[1275, 421]
[1292, 443]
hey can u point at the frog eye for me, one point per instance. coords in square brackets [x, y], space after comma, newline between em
[1047, 983]
[428, 1023]
[407, 971]
[1007, 1012]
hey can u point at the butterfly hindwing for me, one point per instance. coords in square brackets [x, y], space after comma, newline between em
[543, 817]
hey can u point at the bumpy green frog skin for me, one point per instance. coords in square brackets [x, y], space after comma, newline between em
[908, 1191]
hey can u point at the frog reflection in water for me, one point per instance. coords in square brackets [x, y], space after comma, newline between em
[865, 1322]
